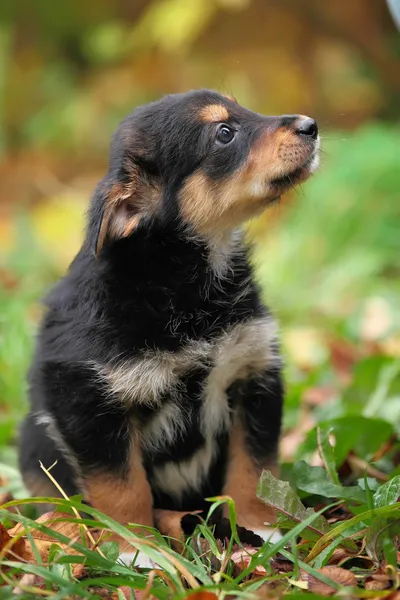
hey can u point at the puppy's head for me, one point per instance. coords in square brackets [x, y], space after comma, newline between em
[201, 160]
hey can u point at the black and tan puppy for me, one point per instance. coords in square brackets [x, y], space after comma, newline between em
[156, 381]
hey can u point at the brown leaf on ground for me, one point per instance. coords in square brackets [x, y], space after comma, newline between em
[79, 571]
[281, 565]
[242, 558]
[4, 536]
[202, 595]
[380, 580]
[14, 548]
[336, 574]
[43, 542]
[341, 555]
[29, 580]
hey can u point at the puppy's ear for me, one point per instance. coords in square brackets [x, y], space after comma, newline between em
[121, 201]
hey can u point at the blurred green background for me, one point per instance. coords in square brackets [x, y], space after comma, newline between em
[328, 256]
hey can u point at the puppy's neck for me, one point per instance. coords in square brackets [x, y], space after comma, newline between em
[220, 248]
[166, 286]
[182, 252]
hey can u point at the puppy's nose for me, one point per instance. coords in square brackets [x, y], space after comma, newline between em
[307, 126]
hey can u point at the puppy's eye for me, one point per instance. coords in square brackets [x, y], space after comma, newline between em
[225, 134]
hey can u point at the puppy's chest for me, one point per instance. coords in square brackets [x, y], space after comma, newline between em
[181, 412]
[148, 378]
[172, 392]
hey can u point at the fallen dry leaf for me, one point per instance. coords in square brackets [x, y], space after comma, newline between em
[340, 556]
[242, 558]
[281, 565]
[15, 547]
[79, 571]
[43, 542]
[376, 584]
[29, 580]
[202, 595]
[336, 574]
[380, 580]
[4, 536]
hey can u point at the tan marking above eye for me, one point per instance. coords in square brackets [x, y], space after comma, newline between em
[214, 113]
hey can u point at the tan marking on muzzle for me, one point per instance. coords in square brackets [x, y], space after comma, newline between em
[218, 204]
[211, 206]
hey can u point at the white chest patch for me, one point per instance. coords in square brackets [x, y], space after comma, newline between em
[244, 349]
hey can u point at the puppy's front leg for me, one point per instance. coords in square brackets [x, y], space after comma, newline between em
[126, 498]
[253, 447]
[94, 428]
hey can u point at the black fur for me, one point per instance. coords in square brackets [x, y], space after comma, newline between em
[102, 311]
[153, 290]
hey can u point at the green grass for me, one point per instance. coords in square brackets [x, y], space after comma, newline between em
[307, 547]
[330, 270]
